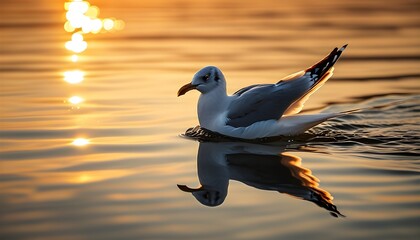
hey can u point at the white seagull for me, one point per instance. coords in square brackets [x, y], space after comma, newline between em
[261, 110]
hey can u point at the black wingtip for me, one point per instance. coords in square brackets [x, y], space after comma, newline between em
[327, 63]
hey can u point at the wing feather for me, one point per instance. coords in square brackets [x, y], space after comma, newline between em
[270, 101]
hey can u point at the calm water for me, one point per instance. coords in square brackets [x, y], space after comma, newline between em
[108, 167]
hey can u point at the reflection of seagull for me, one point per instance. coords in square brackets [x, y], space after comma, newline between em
[262, 110]
[259, 166]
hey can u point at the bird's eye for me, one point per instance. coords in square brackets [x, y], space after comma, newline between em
[206, 77]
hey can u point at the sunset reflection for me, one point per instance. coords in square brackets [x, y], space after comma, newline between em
[93, 12]
[108, 24]
[74, 58]
[84, 178]
[76, 100]
[80, 142]
[74, 77]
[82, 18]
[77, 44]
[81, 15]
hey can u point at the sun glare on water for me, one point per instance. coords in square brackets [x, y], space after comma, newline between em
[82, 18]
[74, 77]
[76, 100]
[74, 58]
[80, 142]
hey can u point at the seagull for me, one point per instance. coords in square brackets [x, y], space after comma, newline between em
[261, 110]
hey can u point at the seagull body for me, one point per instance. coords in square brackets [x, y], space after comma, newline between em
[261, 110]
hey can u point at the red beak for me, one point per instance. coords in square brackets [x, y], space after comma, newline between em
[184, 89]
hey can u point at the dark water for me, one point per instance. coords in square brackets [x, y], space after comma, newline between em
[108, 167]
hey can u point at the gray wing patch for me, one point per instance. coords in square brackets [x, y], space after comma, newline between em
[265, 102]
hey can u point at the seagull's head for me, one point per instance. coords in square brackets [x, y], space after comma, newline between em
[205, 80]
[206, 196]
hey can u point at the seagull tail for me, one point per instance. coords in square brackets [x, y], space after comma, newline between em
[323, 66]
[319, 75]
[297, 124]
[293, 125]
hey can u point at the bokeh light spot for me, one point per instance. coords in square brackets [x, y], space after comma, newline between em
[74, 77]
[76, 100]
[108, 24]
[80, 142]
[74, 58]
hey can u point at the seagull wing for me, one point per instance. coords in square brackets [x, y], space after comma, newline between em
[270, 101]
[264, 102]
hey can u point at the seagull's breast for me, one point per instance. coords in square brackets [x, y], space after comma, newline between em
[212, 110]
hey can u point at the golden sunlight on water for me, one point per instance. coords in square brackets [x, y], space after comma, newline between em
[74, 58]
[83, 18]
[76, 100]
[76, 44]
[80, 142]
[74, 76]
[81, 15]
